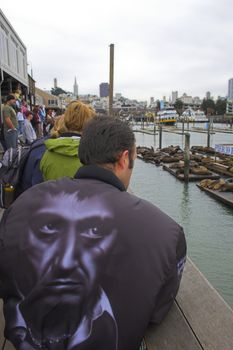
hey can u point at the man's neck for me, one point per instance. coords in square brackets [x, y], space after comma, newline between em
[102, 173]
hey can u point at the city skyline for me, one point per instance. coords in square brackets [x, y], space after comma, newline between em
[104, 86]
[159, 48]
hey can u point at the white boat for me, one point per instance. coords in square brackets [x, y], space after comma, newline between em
[193, 116]
[200, 117]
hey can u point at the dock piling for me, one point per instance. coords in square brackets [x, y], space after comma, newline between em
[208, 134]
[160, 136]
[186, 157]
[154, 126]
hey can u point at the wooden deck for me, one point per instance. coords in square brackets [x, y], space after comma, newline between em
[224, 197]
[198, 320]
[192, 177]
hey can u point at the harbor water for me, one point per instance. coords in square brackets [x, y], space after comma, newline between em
[208, 224]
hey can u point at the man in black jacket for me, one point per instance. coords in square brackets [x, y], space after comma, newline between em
[84, 264]
[153, 246]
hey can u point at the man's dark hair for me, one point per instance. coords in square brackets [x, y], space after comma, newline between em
[103, 139]
[10, 97]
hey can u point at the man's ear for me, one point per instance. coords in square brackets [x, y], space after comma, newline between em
[123, 160]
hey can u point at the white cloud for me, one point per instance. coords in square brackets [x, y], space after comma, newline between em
[160, 45]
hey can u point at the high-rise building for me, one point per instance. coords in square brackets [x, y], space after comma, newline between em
[55, 83]
[174, 96]
[75, 91]
[104, 89]
[230, 89]
[208, 95]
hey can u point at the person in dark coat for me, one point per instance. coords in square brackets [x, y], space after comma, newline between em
[84, 264]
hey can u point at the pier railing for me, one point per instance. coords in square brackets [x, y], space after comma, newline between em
[199, 319]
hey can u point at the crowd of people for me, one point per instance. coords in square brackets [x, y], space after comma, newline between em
[20, 122]
[84, 264]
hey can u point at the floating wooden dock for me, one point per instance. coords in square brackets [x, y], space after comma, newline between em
[192, 177]
[224, 197]
[219, 168]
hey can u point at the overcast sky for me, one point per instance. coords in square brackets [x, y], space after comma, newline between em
[160, 45]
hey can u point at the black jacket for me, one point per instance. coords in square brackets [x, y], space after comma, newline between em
[139, 253]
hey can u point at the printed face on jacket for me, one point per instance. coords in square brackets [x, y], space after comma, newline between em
[65, 250]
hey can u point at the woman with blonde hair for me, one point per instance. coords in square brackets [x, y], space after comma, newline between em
[58, 127]
[61, 155]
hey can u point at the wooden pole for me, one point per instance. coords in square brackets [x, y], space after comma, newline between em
[160, 136]
[111, 76]
[186, 157]
[154, 125]
[208, 135]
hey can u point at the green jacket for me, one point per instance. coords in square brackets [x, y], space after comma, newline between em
[61, 158]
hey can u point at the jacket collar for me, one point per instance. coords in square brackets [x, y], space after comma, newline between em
[99, 173]
[70, 134]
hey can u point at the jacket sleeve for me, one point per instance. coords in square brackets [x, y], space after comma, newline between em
[168, 292]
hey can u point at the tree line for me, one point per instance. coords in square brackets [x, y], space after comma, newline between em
[209, 106]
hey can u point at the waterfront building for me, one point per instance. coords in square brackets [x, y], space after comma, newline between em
[104, 89]
[47, 99]
[13, 60]
[230, 89]
[174, 96]
[75, 88]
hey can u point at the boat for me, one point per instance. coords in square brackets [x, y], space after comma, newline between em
[167, 116]
[200, 117]
[189, 115]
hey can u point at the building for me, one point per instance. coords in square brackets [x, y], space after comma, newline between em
[13, 61]
[197, 101]
[104, 89]
[55, 83]
[75, 88]
[174, 96]
[229, 107]
[208, 95]
[187, 100]
[230, 89]
[118, 96]
[47, 99]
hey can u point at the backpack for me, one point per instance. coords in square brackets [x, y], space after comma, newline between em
[11, 170]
